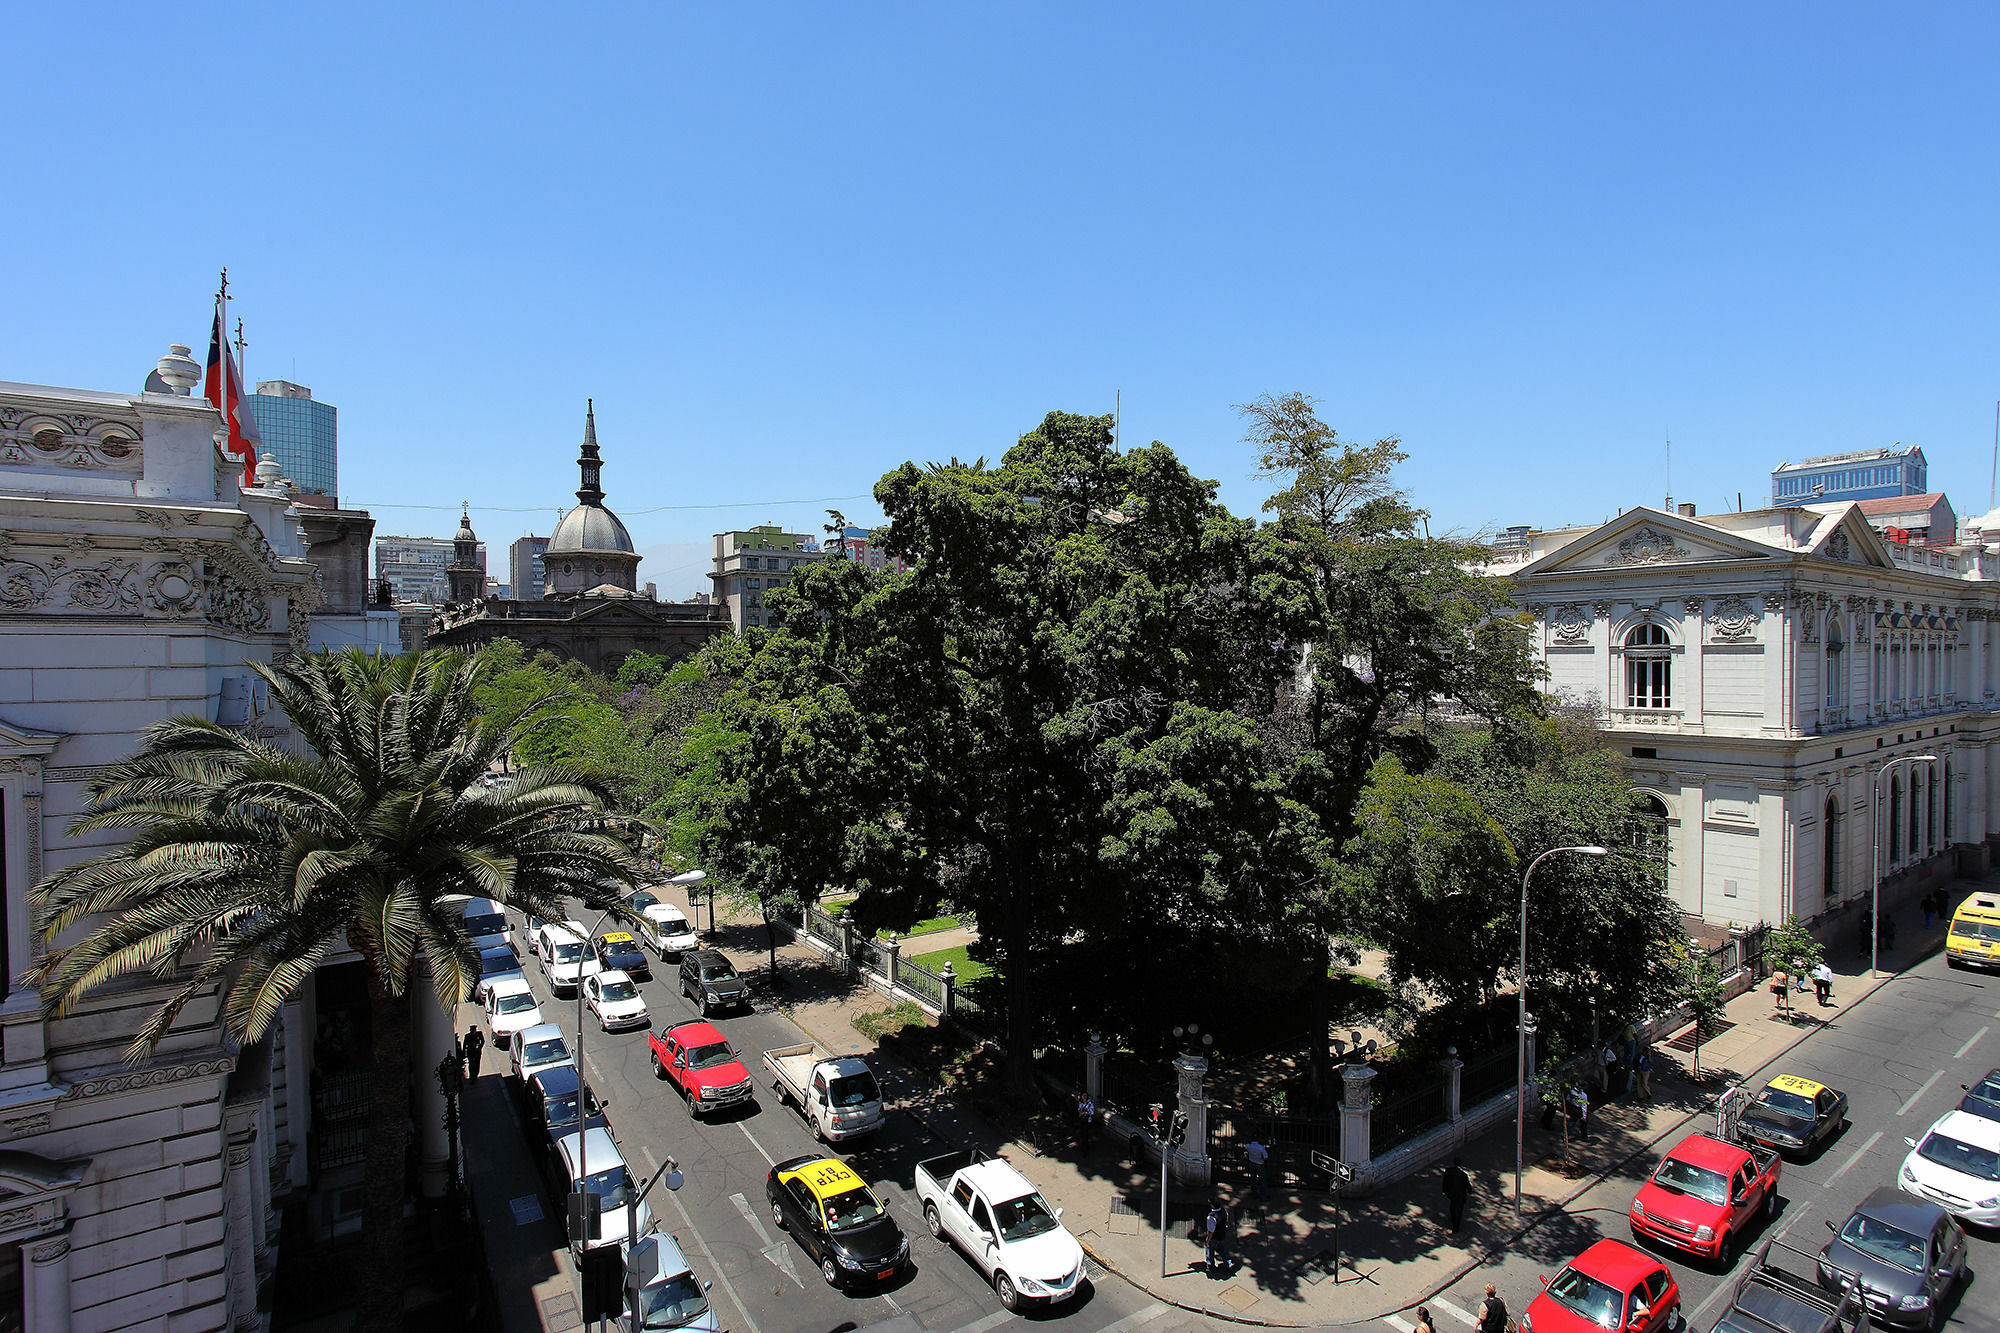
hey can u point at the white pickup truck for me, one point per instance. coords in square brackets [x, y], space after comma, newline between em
[837, 1095]
[989, 1210]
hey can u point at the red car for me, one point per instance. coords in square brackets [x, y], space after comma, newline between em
[1608, 1286]
[699, 1060]
[1705, 1194]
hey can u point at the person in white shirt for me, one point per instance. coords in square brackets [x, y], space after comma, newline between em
[1822, 978]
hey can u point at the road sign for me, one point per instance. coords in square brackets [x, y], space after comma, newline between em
[1333, 1166]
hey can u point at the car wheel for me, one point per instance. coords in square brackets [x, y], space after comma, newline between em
[1004, 1289]
[659, 1070]
[777, 1215]
[1770, 1205]
[829, 1272]
[933, 1221]
[1727, 1254]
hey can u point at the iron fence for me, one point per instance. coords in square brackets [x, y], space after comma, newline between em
[1395, 1123]
[822, 926]
[1487, 1077]
[920, 981]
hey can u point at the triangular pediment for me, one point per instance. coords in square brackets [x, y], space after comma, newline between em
[17, 740]
[1844, 537]
[1644, 538]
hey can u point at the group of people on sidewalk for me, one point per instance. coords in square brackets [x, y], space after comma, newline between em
[1784, 985]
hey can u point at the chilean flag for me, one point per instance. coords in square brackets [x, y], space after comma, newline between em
[224, 388]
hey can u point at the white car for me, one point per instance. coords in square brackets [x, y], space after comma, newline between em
[1957, 1165]
[540, 1047]
[614, 997]
[566, 958]
[510, 1008]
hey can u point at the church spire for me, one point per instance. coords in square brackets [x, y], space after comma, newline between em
[590, 492]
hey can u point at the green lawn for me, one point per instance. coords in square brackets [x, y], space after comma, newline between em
[966, 968]
[930, 927]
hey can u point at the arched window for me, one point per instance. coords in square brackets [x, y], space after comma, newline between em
[1649, 827]
[1894, 816]
[1947, 803]
[1933, 655]
[1649, 668]
[1881, 670]
[1930, 810]
[1830, 885]
[1896, 656]
[1916, 817]
[1836, 660]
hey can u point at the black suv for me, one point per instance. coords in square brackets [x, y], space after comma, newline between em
[711, 983]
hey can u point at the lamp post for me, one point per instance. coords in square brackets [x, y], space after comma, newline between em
[1169, 1127]
[583, 1100]
[1875, 860]
[686, 880]
[1521, 1031]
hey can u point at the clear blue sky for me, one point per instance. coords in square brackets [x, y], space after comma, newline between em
[787, 247]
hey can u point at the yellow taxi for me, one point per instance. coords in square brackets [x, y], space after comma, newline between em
[1974, 938]
[1792, 1114]
[837, 1220]
[617, 951]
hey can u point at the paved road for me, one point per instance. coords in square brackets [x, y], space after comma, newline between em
[763, 1282]
[1900, 1058]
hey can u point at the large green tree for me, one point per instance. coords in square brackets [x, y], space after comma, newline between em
[248, 865]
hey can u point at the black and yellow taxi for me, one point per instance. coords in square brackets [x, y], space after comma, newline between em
[1792, 1114]
[618, 951]
[1974, 937]
[837, 1220]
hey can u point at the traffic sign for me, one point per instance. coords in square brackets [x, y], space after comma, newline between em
[1333, 1166]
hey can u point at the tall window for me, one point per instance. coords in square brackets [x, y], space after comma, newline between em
[1648, 668]
[1896, 669]
[1836, 661]
[1916, 819]
[1830, 885]
[1951, 669]
[1649, 827]
[1930, 810]
[1931, 656]
[1894, 816]
[1881, 670]
[1947, 803]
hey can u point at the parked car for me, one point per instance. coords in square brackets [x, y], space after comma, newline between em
[1793, 1115]
[699, 1061]
[617, 951]
[554, 1101]
[1982, 1098]
[711, 983]
[1705, 1194]
[510, 1008]
[1610, 1285]
[989, 1210]
[592, 1157]
[486, 921]
[1905, 1254]
[663, 927]
[565, 958]
[837, 1220]
[662, 1292]
[1768, 1299]
[616, 1001]
[1957, 1164]
[838, 1095]
[495, 966]
[538, 1048]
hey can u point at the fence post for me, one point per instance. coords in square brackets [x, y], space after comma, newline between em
[892, 957]
[1454, 1070]
[1356, 1112]
[847, 947]
[1193, 1153]
[1093, 1070]
[948, 977]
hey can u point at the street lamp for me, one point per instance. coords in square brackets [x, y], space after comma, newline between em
[687, 879]
[1521, 1032]
[1875, 860]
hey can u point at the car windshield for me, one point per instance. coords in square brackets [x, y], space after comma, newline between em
[514, 1004]
[1026, 1216]
[498, 961]
[676, 925]
[1788, 1105]
[1687, 1178]
[715, 1053]
[562, 1109]
[853, 1090]
[1879, 1240]
[623, 949]
[717, 972]
[1977, 930]
[491, 923]
[1958, 1155]
[617, 991]
[611, 1187]
[669, 1304]
[567, 953]
[853, 1208]
[1987, 1089]
[1584, 1295]
[641, 901]
[541, 1052]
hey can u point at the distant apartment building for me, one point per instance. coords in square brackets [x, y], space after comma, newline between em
[1918, 520]
[301, 432]
[858, 545]
[415, 568]
[1866, 474]
[750, 563]
[526, 577]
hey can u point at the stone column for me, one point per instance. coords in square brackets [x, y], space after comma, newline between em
[243, 1228]
[434, 1034]
[847, 946]
[1093, 1069]
[1193, 1152]
[948, 979]
[892, 955]
[1453, 1068]
[47, 1283]
[1356, 1113]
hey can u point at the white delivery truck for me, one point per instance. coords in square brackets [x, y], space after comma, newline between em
[990, 1211]
[837, 1095]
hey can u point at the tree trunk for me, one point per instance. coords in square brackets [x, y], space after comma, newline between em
[771, 941]
[1319, 1070]
[1014, 914]
[379, 1308]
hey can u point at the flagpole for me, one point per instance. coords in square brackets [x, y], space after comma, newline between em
[222, 348]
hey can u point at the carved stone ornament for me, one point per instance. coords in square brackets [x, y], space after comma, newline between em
[28, 585]
[1647, 547]
[50, 1250]
[174, 589]
[150, 1078]
[66, 439]
[1857, 604]
[1569, 623]
[1838, 547]
[1734, 621]
[234, 603]
[1601, 608]
[1774, 601]
[22, 1125]
[1693, 606]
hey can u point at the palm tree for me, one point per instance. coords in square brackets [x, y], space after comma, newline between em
[249, 865]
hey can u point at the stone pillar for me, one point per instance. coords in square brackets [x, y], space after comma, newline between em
[1356, 1113]
[435, 1032]
[892, 956]
[242, 1227]
[47, 1283]
[1453, 1097]
[1193, 1152]
[1093, 1070]
[948, 978]
[847, 946]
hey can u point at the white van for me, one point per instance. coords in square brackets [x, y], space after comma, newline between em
[666, 931]
[604, 1175]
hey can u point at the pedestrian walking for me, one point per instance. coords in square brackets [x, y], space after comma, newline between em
[1579, 1111]
[1259, 1158]
[1457, 1187]
[1822, 976]
[1492, 1312]
[1642, 1069]
[1781, 989]
[1424, 1324]
[1086, 1122]
[475, 1046]
[1215, 1258]
[1607, 1061]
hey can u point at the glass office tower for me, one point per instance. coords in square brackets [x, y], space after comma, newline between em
[301, 433]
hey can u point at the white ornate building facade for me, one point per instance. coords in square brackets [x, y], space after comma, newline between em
[1761, 670]
[137, 581]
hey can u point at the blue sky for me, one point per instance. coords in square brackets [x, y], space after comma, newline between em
[786, 247]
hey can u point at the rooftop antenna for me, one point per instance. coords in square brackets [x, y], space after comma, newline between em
[1669, 506]
[240, 345]
[1993, 486]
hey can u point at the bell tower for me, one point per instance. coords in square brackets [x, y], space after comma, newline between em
[465, 580]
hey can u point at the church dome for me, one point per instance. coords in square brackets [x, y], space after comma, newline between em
[590, 527]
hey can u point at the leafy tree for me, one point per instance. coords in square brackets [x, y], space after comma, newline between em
[1792, 947]
[248, 865]
[1705, 998]
[1560, 1076]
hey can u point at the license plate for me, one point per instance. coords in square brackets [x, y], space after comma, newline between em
[885, 1275]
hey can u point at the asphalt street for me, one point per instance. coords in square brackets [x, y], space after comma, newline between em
[1900, 1057]
[763, 1283]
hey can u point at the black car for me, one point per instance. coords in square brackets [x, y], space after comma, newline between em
[1793, 1115]
[1906, 1254]
[551, 1100]
[711, 983]
[837, 1220]
[1983, 1097]
[617, 951]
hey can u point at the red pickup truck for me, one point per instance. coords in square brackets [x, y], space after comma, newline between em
[1705, 1194]
[699, 1061]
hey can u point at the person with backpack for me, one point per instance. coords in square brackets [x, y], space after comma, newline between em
[1086, 1122]
[1215, 1258]
[1492, 1312]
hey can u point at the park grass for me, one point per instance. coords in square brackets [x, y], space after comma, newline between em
[930, 927]
[967, 968]
[884, 1022]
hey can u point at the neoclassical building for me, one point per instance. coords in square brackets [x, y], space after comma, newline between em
[1764, 673]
